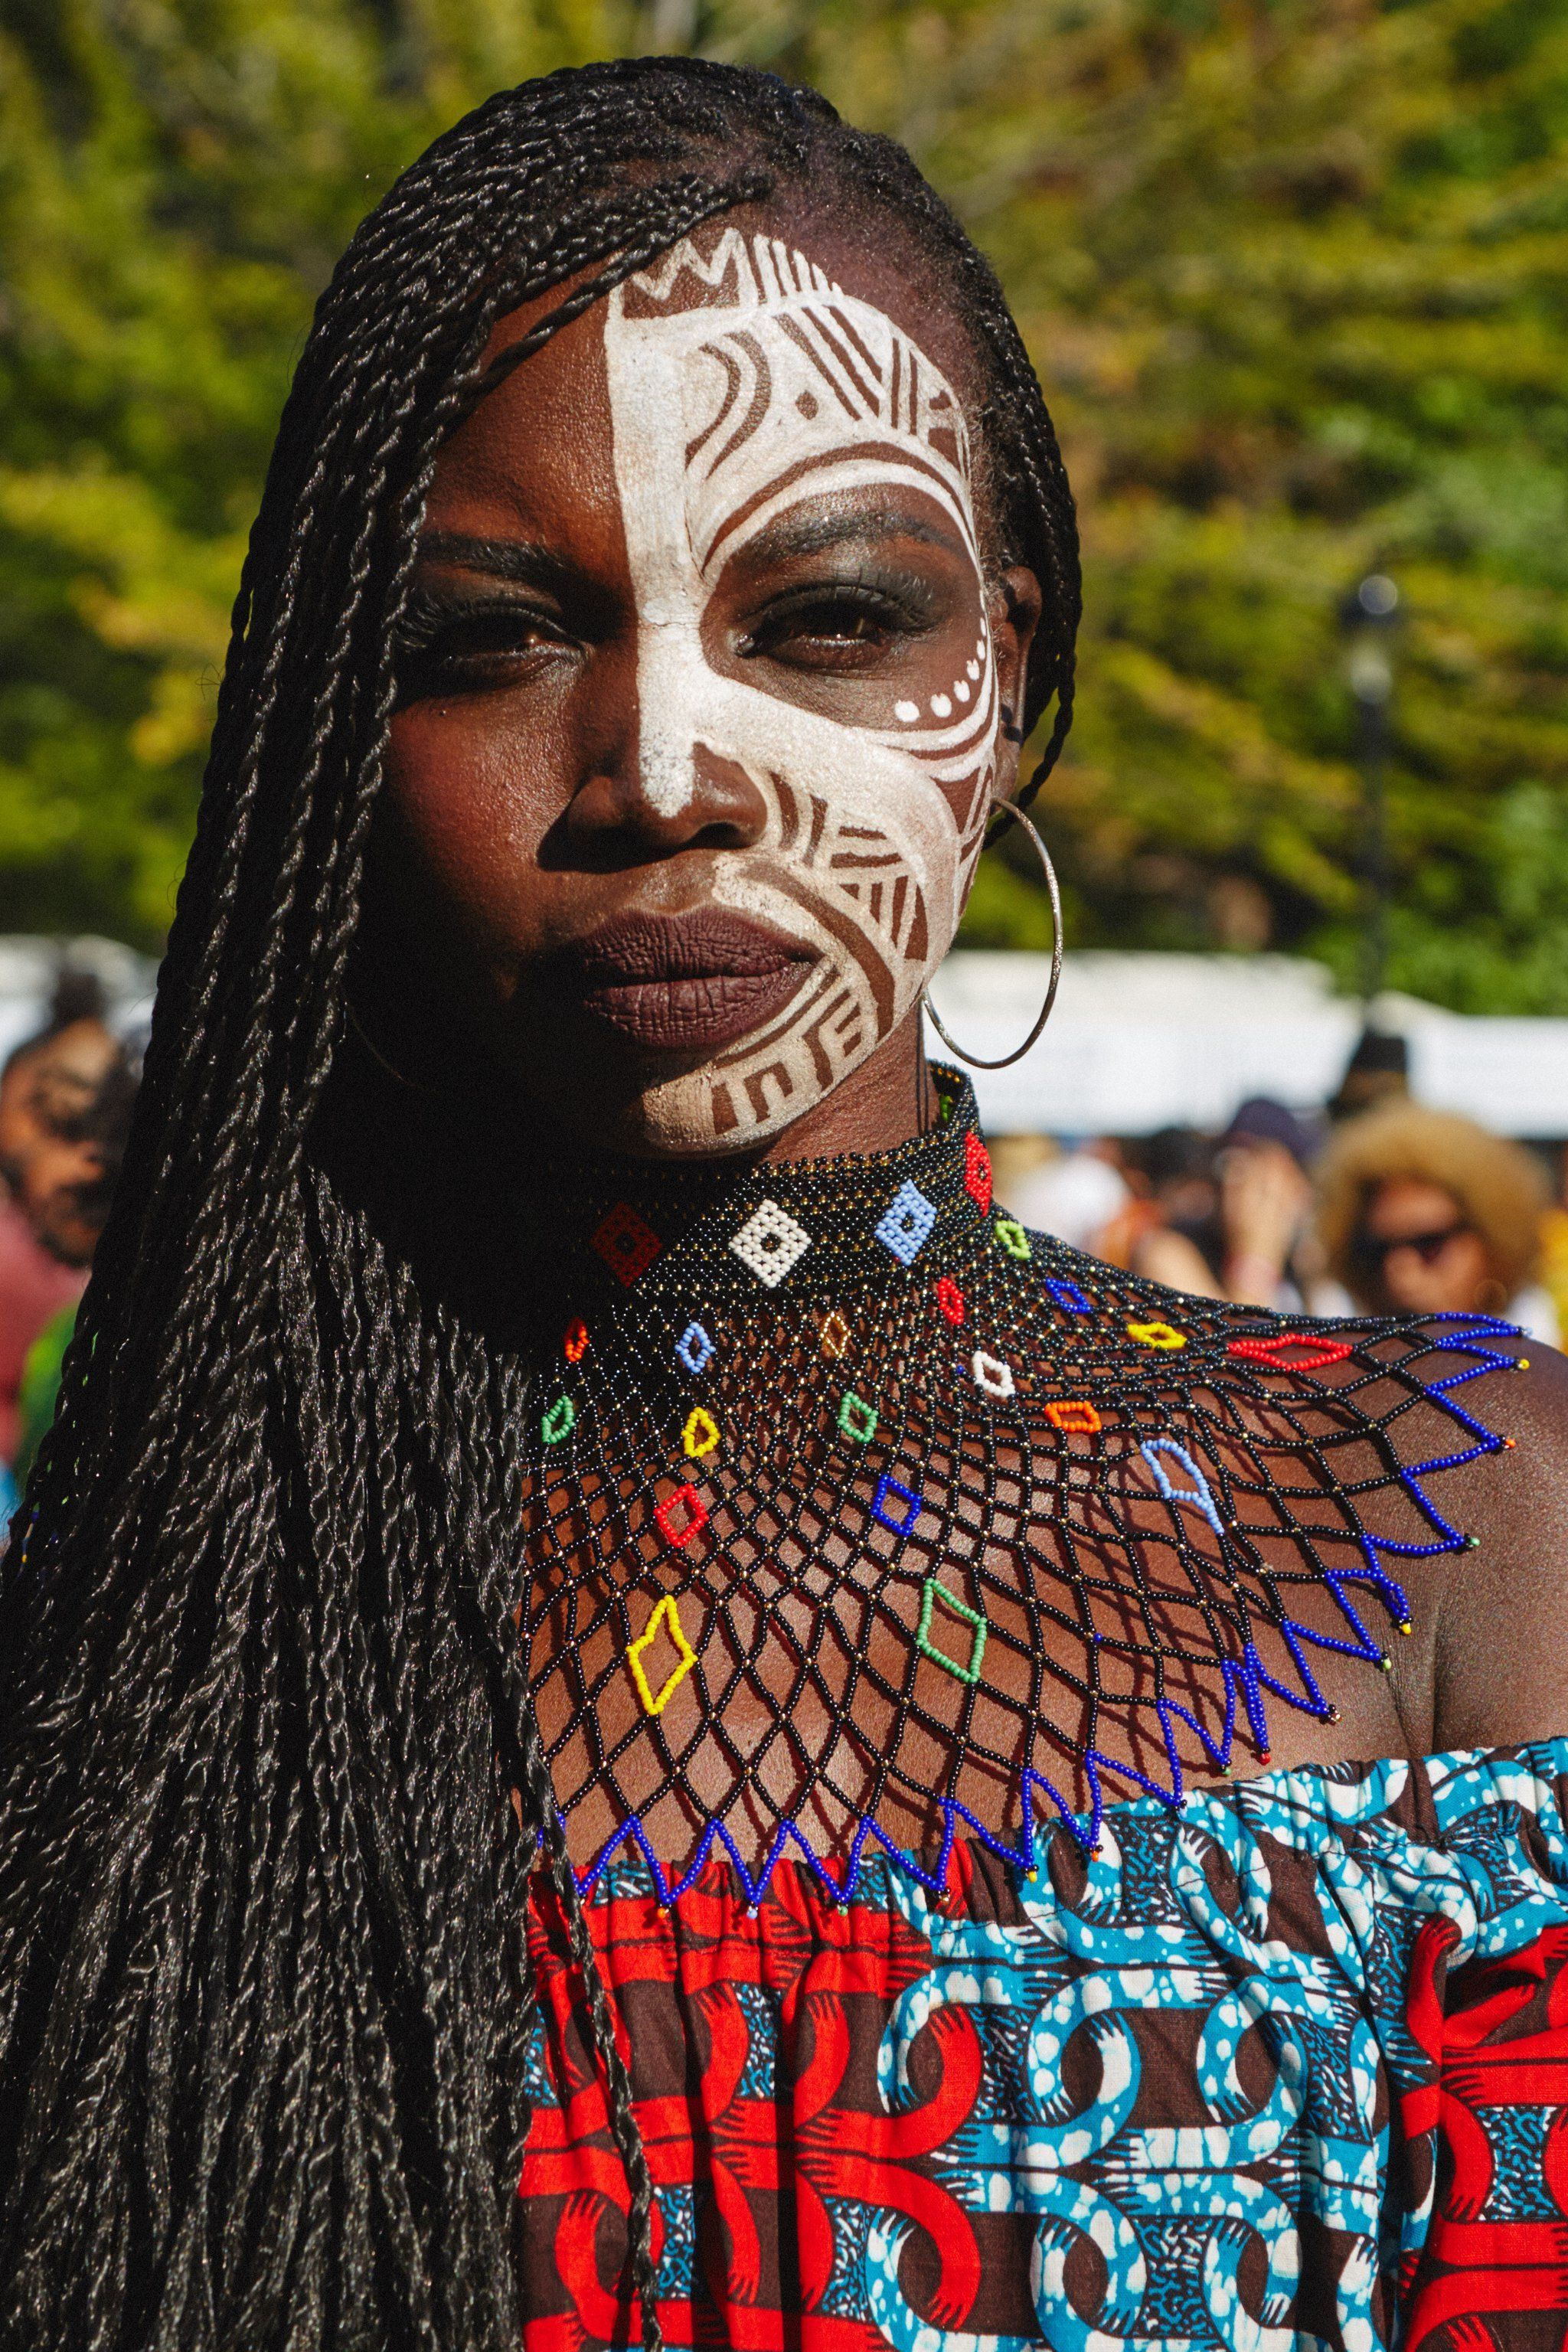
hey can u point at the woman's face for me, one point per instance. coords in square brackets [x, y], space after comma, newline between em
[708, 696]
[1413, 1236]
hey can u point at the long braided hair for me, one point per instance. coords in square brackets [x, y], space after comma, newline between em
[271, 1788]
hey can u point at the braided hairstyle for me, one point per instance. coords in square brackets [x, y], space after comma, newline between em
[271, 1788]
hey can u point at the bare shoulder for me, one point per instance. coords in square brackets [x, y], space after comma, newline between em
[1500, 1662]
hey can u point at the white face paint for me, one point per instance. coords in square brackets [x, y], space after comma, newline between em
[741, 386]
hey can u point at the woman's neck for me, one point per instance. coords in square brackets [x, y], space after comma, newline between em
[889, 1099]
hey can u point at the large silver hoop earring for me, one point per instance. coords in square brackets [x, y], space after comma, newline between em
[1009, 808]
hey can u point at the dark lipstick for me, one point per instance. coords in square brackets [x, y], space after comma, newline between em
[686, 983]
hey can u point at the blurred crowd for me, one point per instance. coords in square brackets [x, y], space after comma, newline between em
[1375, 1205]
[65, 1099]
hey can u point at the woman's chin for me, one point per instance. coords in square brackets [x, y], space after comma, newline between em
[652, 1111]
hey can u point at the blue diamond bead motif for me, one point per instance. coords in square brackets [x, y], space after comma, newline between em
[694, 1349]
[906, 1227]
[895, 1506]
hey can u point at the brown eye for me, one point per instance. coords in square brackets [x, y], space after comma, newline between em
[824, 628]
[457, 648]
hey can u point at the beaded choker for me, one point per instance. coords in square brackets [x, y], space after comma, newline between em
[856, 1513]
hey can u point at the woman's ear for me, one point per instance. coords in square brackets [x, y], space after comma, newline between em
[1015, 601]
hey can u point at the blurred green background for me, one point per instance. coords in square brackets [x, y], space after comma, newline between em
[1295, 275]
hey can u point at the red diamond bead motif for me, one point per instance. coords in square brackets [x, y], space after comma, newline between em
[977, 1172]
[627, 1245]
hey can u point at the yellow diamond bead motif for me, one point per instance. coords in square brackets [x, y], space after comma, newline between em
[1155, 1335]
[835, 1335]
[700, 1434]
[666, 1619]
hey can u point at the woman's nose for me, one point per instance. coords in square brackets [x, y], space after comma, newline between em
[632, 808]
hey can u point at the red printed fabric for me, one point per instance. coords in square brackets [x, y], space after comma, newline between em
[1495, 2033]
[1290, 2065]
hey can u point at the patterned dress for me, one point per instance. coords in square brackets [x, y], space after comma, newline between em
[1288, 2068]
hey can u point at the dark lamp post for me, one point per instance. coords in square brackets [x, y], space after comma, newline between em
[1369, 616]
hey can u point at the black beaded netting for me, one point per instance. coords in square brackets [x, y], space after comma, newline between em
[848, 1501]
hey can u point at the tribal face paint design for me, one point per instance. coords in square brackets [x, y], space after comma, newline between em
[740, 385]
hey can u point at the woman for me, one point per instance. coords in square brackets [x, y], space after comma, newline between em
[1426, 1214]
[582, 1573]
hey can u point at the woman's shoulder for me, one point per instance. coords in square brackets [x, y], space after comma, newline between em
[1500, 1661]
[1442, 1446]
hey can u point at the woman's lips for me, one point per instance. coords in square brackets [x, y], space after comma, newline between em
[686, 983]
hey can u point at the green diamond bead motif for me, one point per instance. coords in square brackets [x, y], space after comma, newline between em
[933, 1595]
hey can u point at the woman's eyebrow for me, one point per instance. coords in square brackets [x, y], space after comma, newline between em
[803, 535]
[524, 561]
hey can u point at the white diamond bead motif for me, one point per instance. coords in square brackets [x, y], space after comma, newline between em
[769, 1241]
[992, 1375]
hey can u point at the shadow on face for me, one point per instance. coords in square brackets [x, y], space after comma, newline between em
[707, 689]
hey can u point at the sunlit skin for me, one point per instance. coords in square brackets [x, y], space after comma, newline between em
[1432, 1280]
[515, 822]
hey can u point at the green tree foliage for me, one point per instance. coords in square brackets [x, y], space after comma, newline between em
[1294, 272]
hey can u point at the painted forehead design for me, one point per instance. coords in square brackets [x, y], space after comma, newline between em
[784, 389]
[803, 391]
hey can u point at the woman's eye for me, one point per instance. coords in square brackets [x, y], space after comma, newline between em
[832, 629]
[829, 620]
[471, 650]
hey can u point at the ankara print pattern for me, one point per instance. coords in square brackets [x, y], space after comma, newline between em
[1288, 2071]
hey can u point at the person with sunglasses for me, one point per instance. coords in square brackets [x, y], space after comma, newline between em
[1423, 1212]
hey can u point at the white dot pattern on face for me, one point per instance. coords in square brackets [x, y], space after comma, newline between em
[742, 383]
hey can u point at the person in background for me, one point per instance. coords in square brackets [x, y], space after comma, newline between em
[1377, 1074]
[1265, 1208]
[1169, 1230]
[1073, 1195]
[66, 1187]
[49, 1080]
[1423, 1212]
[1217, 1220]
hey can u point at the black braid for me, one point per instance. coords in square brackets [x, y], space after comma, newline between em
[264, 1994]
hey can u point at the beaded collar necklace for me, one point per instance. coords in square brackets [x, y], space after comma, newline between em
[848, 1499]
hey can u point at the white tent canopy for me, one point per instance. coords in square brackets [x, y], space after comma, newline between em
[1139, 1041]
